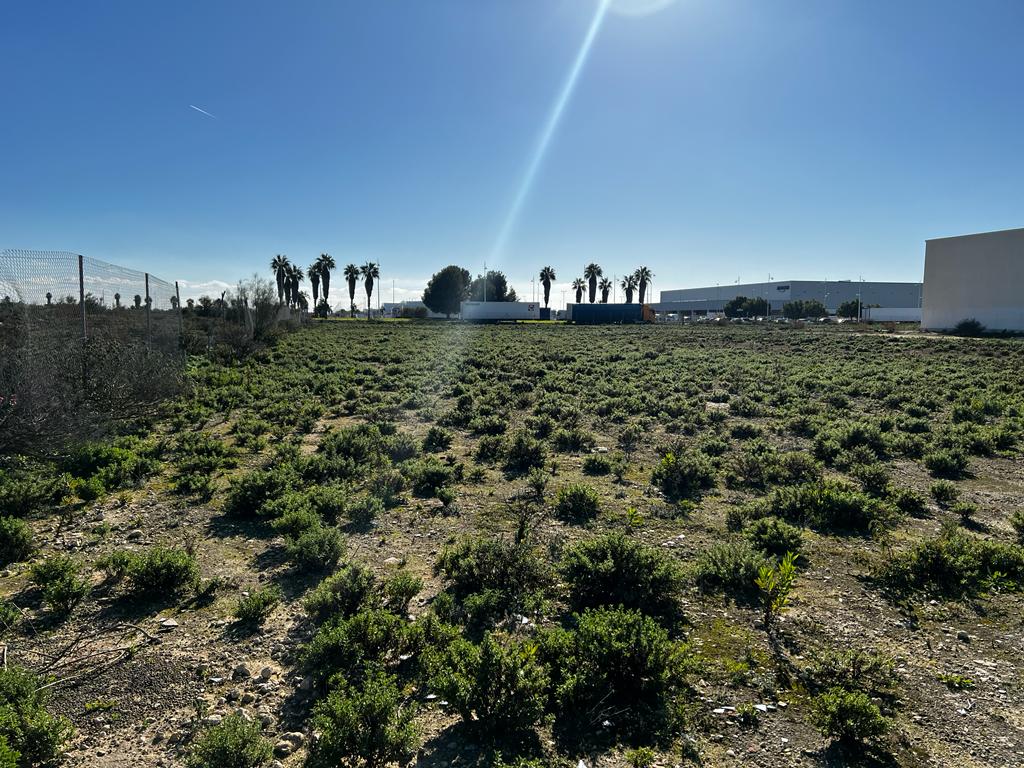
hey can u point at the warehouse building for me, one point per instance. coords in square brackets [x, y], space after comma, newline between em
[831, 293]
[975, 277]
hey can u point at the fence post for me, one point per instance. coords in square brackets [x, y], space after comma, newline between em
[85, 336]
[181, 327]
[149, 337]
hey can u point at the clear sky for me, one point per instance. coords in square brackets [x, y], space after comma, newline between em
[709, 140]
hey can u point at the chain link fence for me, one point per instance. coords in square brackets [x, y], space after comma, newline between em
[84, 342]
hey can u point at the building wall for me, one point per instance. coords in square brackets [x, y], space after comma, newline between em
[831, 293]
[975, 276]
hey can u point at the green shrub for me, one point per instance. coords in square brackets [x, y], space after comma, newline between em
[497, 687]
[341, 594]
[296, 521]
[683, 475]
[596, 464]
[849, 717]
[615, 665]
[775, 537]
[829, 505]
[233, 743]
[371, 723]
[616, 570]
[15, 540]
[347, 646]
[317, 549]
[363, 509]
[161, 572]
[400, 589]
[523, 453]
[945, 492]
[490, 578]
[730, 567]
[969, 327]
[577, 503]
[88, 490]
[22, 493]
[257, 606]
[428, 476]
[61, 581]
[950, 463]
[25, 724]
[249, 494]
[572, 440]
[855, 669]
[954, 564]
[1017, 522]
[437, 440]
[908, 501]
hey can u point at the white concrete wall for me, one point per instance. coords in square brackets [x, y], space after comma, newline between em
[892, 314]
[978, 277]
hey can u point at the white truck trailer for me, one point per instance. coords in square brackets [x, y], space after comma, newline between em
[500, 311]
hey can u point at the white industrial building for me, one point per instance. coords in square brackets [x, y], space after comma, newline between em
[975, 277]
[777, 293]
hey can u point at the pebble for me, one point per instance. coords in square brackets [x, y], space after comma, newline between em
[266, 673]
[241, 672]
[168, 624]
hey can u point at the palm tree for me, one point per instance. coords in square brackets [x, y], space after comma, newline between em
[279, 264]
[592, 272]
[49, 298]
[605, 285]
[294, 276]
[547, 276]
[628, 285]
[643, 277]
[138, 301]
[370, 272]
[578, 285]
[117, 301]
[352, 276]
[326, 264]
[314, 281]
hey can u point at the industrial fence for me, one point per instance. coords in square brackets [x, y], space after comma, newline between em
[82, 340]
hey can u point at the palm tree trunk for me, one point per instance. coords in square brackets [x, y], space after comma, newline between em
[547, 292]
[325, 282]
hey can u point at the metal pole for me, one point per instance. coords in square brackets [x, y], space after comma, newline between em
[81, 294]
[181, 330]
[149, 337]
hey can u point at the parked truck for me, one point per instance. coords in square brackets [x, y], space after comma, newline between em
[602, 314]
[499, 311]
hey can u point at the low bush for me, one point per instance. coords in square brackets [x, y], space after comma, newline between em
[572, 440]
[597, 464]
[849, 717]
[161, 572]
[1017, 523]
[348, 646]
[615, 570]
[249, 494]
[428, 475]
[950, 463]
[235, 742]
[341, 594]
[908, 501]
[371, 723]
[26, 726]
[16, 542]
[363, 509]
[775, 537]
[523, 453]
[60, 579]
[954, 564]
[855, 669]
[317, 549]
[257, 606]
[577, 503]
[683, 475]
[830, 505]
[945, 492]
[22, 493]
[617, 666]
[730, 567]
[399, 590]
[497, 687]
[437, 440]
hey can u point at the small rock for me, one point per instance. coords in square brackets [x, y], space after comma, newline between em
[248, 698]
[963, 637]
[241, 672]
[135, 534]
[295, 737]
[168, 624]
[266, 673]
[213, 719]
[283, 748]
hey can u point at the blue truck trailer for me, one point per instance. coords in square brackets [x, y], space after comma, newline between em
[614, 314]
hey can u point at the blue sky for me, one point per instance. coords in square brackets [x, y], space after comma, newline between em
[711, 140]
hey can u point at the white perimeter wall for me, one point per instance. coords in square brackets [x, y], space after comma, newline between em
[893, 314]
[975, 276]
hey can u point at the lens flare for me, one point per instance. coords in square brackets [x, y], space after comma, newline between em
[639, 7]
[550, 127]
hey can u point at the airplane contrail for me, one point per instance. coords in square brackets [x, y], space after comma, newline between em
[197, 109]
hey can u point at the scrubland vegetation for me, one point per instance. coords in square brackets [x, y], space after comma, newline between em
[531, 545]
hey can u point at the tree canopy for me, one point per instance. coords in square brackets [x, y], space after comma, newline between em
[741, 306]
[795, 310]
[447, 290]
[497, 288]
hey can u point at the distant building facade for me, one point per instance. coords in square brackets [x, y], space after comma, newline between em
[777, 293]
[975, 277]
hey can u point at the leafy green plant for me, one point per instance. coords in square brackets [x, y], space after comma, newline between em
[729, 566]
[235, 742]
[774, 537]
[577, 503]
[596, 464]
[316, 549]
[497, 687]
[371, 723]
[161, 572]
[399, 590]
[956, 682]
[947, 462]
[683, 475]
[775, 583]
[437, 440]
[16, 542]
[849, 717]
[26, 726]
[257, 606]
[62, 583]
[341, 594]
[945, 492]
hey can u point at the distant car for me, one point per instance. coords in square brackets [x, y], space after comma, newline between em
[826, 319]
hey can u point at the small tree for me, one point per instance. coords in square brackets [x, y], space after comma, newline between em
[447, 290]
[849, 308]
[492, 287]
[775, 582]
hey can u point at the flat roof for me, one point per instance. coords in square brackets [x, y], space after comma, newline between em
[975, 234]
